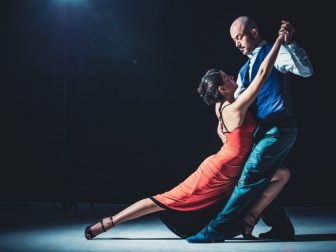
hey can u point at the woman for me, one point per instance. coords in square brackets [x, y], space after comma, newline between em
[204, 192]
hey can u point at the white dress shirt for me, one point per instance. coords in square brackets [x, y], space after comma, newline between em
[291, 58]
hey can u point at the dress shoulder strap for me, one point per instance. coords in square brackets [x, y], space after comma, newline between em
[220, 110]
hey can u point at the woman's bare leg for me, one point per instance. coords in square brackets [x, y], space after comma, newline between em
[272, 190]
[136, 210]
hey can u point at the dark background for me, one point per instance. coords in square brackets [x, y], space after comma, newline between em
[99, 101]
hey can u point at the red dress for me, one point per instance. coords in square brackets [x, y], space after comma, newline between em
[216, 177]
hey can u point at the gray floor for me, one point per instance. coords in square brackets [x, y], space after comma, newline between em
[43, 227]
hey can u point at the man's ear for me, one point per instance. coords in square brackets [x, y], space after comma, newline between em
[255, 33]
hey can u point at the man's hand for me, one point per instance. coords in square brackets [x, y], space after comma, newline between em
[287, 30]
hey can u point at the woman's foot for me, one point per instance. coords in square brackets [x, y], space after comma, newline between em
[101, 226]
[248, 225]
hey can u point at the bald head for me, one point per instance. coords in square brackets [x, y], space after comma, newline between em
[245, 23]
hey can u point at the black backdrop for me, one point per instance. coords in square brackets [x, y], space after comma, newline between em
[99, 98]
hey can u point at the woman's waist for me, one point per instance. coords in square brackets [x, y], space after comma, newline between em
[237, 148]
[240, 141]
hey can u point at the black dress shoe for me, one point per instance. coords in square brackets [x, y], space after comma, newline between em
[283, 232]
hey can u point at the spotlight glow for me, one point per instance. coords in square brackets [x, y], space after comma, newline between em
[74, 2]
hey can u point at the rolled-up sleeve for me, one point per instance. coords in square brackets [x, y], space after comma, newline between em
[292, 58]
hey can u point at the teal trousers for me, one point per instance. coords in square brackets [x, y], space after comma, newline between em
[272, 144]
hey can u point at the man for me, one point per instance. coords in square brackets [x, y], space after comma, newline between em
[274, 137]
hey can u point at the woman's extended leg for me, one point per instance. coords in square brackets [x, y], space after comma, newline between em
[138, 209]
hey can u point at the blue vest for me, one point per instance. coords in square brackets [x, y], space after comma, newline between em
[274, 98]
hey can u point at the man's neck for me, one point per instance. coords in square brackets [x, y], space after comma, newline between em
[256, 49]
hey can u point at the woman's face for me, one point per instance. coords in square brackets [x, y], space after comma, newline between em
[229, 83]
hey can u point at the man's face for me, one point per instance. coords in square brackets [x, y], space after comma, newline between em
[243, 39]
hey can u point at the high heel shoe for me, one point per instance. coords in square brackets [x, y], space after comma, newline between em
[248, 235]
[248, 228]
[88, 232]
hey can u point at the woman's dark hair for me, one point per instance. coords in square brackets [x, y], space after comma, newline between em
[208, 88]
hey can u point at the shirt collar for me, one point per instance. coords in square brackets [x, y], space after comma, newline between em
[256, 50]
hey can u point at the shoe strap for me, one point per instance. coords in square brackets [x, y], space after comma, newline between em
[112, 221]
[102, 225]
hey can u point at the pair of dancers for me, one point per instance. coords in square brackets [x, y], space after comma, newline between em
[190, 206]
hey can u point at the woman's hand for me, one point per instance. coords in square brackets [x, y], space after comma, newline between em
[286, 32]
